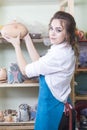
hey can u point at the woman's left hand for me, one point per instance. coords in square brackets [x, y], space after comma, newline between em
[14, 41]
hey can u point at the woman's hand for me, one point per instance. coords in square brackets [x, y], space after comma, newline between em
[27, 38]
[14, 41]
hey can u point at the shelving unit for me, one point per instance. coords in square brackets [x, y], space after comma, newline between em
[7, 88]
[77, 97]
[18, 89]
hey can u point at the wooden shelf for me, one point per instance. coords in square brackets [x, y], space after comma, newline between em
[81, 97]
[3, 85]
[82, 40]
[17, 125]
[84, 69]
[37, 40]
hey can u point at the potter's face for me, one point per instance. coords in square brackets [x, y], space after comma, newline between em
[57, 31]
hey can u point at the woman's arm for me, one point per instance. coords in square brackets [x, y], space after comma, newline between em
[20, 58]
[31, 49]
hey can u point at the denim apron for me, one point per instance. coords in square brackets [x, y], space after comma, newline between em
[49, 110]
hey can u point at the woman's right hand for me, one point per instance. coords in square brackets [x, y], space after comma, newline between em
[27, 38]
[14, 41]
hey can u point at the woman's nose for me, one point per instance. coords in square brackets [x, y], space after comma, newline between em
[53, 32]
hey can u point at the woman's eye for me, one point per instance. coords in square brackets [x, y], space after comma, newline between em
[58, 30]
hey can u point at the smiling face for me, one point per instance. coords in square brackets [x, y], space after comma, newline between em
[57, 31]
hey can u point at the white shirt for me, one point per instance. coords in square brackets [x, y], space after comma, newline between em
[58, 67]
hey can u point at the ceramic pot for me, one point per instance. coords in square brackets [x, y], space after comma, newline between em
[3, 74]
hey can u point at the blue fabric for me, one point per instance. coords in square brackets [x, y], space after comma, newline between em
[49, 111]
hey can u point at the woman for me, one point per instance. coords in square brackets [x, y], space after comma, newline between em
[55, 70]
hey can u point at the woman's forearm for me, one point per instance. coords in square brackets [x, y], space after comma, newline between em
[20, 59]
[31, 49]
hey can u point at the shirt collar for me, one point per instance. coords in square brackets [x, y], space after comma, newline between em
[59, 45]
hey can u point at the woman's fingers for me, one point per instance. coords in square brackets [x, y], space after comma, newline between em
[19, 35]
[25, 37]
[14, 41]
[6, 37]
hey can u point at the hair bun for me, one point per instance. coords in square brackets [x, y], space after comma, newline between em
[14, 29]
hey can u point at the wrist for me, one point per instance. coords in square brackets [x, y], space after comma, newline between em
[27, 37]
[17, 48]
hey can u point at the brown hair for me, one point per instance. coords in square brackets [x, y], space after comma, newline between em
[70, 25]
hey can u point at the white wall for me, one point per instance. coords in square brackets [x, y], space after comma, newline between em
[32, 15]
[81, 14]
[39, 15]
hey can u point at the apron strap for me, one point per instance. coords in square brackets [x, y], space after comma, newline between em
[68, 112]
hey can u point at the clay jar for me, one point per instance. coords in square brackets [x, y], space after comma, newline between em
[1, 116]
[3, 74]
[14, 29]
[8, 118]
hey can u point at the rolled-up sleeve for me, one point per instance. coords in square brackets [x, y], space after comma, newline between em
[54, 61]
[47, 64]
[40, 67]
[32, 69]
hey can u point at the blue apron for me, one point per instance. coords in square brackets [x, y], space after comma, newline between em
[49, 110]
